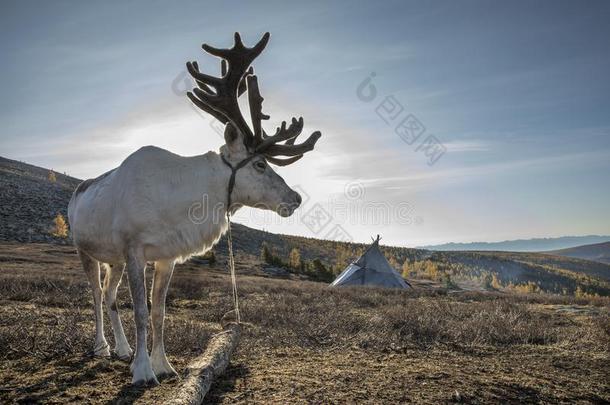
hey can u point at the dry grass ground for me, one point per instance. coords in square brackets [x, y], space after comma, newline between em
[304, 342]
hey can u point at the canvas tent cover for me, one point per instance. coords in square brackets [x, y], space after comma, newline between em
[372, 268]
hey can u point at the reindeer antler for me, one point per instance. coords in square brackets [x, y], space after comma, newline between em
[218, 96]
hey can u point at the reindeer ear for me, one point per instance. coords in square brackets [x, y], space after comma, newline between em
[234, 139]
[230, 134]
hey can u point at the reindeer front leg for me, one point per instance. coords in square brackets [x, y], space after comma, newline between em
[140, 367]
[162, 277]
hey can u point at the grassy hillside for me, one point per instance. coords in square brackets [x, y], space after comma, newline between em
[31, 198]
[598, 252]
[526, 272]
[303, 342]
[32, 201]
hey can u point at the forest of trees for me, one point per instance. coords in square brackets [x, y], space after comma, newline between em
[314, 269]
[492, 271]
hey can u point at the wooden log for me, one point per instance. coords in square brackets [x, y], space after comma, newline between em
[212, 363]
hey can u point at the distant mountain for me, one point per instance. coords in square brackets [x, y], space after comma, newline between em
[523, 245]
[599, 252]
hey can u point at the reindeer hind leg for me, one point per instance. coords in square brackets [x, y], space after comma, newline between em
[111, 284]
[92, 270]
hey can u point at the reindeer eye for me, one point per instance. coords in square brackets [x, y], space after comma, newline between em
[260, 165]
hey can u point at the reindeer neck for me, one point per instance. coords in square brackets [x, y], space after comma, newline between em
[215, 176]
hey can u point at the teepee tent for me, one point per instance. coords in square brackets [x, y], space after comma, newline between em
[372, 269]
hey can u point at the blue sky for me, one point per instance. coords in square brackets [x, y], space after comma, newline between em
[518, 93]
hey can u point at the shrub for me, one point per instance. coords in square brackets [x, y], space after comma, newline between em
[294, 259]
[210, 256]
[60, 227]
[406, 269]
[265, 253]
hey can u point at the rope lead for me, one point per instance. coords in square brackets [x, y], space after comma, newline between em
[234, 170]
[232, 267]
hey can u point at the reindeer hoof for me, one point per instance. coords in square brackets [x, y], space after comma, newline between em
[151, 382]
[163, 370]
[167, 375]
[102, 351]
[143, 374]
[161, 366]
[124, 355]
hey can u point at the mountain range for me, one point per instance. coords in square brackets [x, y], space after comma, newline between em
[523, 245]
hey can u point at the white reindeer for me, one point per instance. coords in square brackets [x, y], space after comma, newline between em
[139, 212]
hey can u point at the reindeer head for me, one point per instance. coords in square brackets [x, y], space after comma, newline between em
[250, 150]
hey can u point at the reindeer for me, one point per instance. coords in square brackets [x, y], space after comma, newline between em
[139, 212]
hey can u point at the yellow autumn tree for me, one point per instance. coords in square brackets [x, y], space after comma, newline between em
[294, 258]
[406, 269]
[527, 288]
[60, 227]
[418, 268]
[52, 176]
[394, 263]
[580, 293]
[431, 270]
[342, 255]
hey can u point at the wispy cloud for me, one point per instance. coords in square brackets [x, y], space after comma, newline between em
[467, 146]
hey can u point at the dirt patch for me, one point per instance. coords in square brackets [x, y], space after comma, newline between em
[435, 376]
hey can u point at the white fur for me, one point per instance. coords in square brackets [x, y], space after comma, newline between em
[142, 212]
[146, 202]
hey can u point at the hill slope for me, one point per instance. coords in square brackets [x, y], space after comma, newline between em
[527, 272]
[599, 252]
[30, 201]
